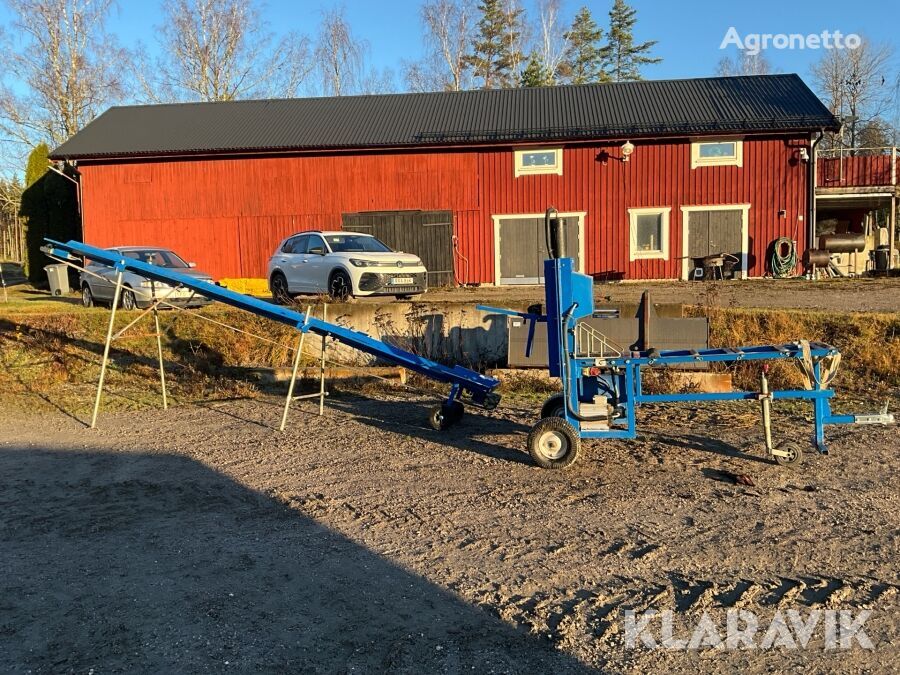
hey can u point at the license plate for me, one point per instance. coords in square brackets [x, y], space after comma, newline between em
[402, 281]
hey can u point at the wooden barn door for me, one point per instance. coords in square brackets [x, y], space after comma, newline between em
[522, 248]
[716, 231]
[427, 234]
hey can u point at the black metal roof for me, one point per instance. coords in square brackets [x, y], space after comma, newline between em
[629, 109]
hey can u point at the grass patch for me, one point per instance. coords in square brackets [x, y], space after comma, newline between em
[53, 358]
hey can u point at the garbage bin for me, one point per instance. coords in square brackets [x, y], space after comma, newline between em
[58, 276]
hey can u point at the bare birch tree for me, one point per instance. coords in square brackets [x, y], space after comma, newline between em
[856, 85]
[220, 50]
[60, 72]
[340, 56]
[448, 28]
[554, 44]
[743, 64]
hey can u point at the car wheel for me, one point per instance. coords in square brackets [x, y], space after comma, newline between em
[128, 301]
[340, 287]
[87, 298]
[279, 286]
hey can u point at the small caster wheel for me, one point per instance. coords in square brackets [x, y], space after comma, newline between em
[794, 454]
[553, 406]
[553, 443]
[442, 416]
[491, 401]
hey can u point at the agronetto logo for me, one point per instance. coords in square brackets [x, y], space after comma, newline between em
[754, 43]
[743, 629]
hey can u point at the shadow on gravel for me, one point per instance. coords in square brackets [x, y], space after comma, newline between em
[413, 418]
[704, 444]
[147, 562]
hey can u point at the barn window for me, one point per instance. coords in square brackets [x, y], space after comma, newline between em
[649, 233]
[722, 152]
[542, 160]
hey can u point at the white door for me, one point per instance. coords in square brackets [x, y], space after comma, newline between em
[317, 265]
[290, 260]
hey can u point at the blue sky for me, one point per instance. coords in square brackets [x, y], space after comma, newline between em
[689, 33]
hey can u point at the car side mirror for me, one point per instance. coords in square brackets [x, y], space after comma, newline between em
[318, 250]
[192, 264]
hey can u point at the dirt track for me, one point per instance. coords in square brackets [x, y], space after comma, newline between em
[840, 295]
[194, 538]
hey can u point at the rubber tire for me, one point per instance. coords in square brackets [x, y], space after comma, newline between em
[87, 297]
[442, 416]
[559, 426]
[343, 292]
[791, 462]
[127, 300]
[553, 406]
[405, 297]
[279, 286]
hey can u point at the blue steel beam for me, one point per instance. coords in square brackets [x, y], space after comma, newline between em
[475, 383]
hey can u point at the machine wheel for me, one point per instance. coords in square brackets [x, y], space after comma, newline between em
[553, 443]
[340, 287]
[795, 454]
[553, 406]
[279, 285]
[87, 298]
[128, 301]
[442, 416]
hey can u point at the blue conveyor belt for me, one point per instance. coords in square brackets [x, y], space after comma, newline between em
[479, 386]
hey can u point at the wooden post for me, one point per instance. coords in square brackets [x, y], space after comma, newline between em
[109, 330]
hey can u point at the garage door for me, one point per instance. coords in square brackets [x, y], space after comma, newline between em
[522, 247]
[427, 234]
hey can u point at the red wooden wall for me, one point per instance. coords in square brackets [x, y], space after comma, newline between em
[228, 214]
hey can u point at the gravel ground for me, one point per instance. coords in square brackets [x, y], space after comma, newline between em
[199, 539]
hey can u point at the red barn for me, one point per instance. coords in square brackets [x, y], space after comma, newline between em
[650, 176]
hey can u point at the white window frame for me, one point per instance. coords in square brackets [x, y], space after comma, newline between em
[522, 170]
[663, 252]
[736, 160]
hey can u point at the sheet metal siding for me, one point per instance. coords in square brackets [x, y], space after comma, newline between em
[229, 214]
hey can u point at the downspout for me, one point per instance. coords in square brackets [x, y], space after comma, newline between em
[811, 192]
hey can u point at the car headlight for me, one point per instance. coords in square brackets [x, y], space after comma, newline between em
[356, 262]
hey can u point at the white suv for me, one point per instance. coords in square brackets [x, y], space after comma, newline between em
[342, 264]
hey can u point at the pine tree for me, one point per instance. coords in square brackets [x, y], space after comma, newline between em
[536, 74]
[495, 51]
[624, 57]
[585, 58]
[49, 208]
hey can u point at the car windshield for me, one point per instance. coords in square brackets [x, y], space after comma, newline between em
[352, 243]
[156, 256]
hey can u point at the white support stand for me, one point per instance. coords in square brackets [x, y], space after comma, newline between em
[322, 393]
[159, 352]
[297, 357]
[154, 308]
[109, 335]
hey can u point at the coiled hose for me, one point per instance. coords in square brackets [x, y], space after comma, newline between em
[783, 265]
